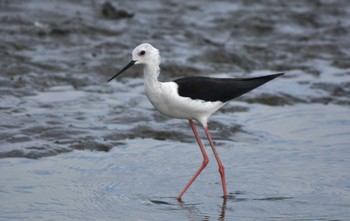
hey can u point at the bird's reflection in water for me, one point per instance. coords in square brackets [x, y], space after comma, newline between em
[223, 209]
[192, 211]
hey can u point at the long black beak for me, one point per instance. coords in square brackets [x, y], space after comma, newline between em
[131, 63]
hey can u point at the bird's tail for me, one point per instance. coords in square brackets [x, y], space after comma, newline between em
[241, 86]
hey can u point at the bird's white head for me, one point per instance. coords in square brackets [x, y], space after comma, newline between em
[146, 54]
[143, 54]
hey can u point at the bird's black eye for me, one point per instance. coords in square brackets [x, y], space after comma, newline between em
[142, 52]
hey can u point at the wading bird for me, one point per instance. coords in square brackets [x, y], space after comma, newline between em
[191, 98]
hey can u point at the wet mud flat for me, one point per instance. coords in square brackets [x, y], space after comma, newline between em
[285, 145]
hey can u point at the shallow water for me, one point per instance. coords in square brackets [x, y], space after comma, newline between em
[296, 172]
[73, 147]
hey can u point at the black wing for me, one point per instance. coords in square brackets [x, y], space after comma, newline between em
[219, 89]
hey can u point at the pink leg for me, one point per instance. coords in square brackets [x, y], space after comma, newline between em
[204, 163]
[221, 166]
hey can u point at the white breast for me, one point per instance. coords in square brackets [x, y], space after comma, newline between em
[165, 98]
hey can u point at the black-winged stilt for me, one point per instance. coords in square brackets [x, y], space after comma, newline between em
[192, 98]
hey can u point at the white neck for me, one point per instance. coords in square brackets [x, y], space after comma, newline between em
[151, 73]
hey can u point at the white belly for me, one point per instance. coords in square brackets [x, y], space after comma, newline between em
[164, 97]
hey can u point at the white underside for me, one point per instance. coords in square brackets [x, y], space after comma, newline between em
[165, 98]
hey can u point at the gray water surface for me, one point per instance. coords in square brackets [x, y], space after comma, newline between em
[73, 147]
[297, 172]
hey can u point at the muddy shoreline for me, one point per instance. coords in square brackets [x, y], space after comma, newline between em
[57, 56]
